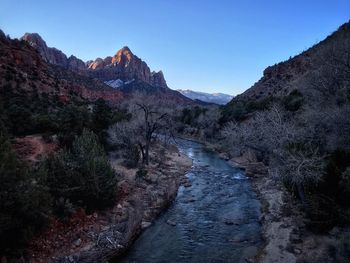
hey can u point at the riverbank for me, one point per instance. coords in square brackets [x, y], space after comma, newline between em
[286, 236]
[107, 234]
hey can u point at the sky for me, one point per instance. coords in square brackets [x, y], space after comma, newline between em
[210, 46]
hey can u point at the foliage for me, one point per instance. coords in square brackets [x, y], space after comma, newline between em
[238, 110]
[307, 150]
[198, 121]
[293, 101]
[24, 199]
[103, 116]
[24, 113]
[189, 115]
[132, 156]
[141, 173]
[83, 174]
[72, 120]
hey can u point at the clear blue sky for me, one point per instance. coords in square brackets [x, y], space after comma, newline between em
[212, 46]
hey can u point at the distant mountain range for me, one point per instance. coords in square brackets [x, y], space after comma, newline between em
[217, 98]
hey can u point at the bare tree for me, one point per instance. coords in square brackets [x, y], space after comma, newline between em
[149, 119]
[299, 166]
[153, 121]
[266, 131]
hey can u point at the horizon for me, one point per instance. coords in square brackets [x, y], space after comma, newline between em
[187, 49]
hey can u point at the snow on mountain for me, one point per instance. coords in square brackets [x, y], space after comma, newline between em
[117, 83]
[217, 98]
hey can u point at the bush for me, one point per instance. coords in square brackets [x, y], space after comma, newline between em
[329, 201]
[24, 200]
[141, 173]
[293, 101]
[345, 183]
[82, 175]
[132, 156]
[72, 120]
[239, 110]
[189, 115]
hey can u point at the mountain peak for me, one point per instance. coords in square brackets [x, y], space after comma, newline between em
[123, 55]
[125, 49]
[34, 39]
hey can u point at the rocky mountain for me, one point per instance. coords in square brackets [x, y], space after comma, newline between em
[115, 71]
[23, 69]
[281, 79]
[125, 66]
[216, 98]
[53, 55]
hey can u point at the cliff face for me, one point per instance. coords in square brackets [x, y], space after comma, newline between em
[124, 65]
[53, 55]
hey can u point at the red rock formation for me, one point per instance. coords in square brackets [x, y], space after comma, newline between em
[23, 68]
[123, 65]
[53, 55]
[126, 66]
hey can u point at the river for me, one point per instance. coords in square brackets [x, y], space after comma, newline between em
[214, 220]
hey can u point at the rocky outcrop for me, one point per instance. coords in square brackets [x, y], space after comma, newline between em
[99, 63]
[53, 55]
[2, 34]
[126, 66]
[158, 80]
[75, 64]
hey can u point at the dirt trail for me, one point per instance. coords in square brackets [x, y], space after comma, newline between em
[32, 147]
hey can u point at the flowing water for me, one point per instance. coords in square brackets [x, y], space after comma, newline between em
[214, 220]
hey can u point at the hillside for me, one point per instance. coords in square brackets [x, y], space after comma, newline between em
[281, 79]
[320, 71]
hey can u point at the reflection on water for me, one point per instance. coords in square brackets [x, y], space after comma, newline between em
[216, 218]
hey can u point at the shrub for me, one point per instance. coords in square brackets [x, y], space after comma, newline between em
[132, 156]
[24, 200]
[238, 110]
[83, 175]
[141, 173]
[293, 101]
[72, 120]
[345, 186]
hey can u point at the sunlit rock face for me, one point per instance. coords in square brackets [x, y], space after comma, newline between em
[124, 65]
